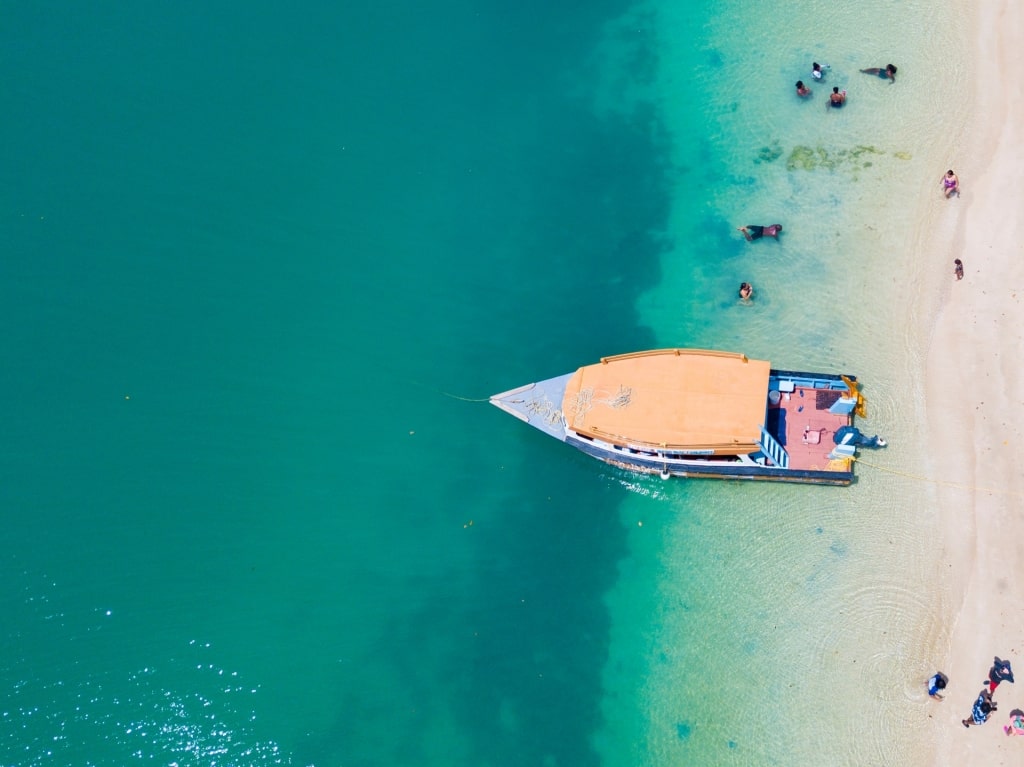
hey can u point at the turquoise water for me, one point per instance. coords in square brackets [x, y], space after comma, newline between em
[263, 268]
[247, 254]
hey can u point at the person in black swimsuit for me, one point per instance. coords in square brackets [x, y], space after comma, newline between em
[888, 73]
[837, 98]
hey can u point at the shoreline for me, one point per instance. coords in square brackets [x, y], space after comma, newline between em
[973, 390]
[853, 585]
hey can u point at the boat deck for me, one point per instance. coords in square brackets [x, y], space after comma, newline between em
[802, 423]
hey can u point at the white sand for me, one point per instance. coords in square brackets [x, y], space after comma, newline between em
[975, 401]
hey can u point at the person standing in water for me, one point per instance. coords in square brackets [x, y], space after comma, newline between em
[889, 73]
[746, 292]
[816, 70]
[838, 98]
[802, 90]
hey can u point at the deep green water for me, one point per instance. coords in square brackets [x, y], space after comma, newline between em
[249, 251]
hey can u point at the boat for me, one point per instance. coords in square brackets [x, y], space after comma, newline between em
[700, 413]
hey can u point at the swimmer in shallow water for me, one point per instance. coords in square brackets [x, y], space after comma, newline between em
[801, 89]
[888, 73]
[746, 292]
[837, 99]
[754, 232]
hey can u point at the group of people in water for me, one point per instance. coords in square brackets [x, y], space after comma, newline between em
[838, 98]
[984, 706]
[950, 182]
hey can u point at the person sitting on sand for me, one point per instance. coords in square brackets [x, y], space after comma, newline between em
[950, 184]
[801, 89]
[746, 291]
[889, 73]
[753, 232]
[816, 70]
[937, 684]
[838, 98]
[958, 268]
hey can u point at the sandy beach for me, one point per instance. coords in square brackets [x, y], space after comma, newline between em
[974, 396]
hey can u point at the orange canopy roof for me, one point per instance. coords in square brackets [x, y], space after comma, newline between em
[681, 398]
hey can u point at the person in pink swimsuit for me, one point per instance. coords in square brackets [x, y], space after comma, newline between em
[950, 184]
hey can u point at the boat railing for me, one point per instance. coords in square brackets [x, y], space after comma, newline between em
[675, 353]
[622, 443]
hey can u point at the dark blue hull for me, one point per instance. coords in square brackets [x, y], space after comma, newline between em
[709, 470]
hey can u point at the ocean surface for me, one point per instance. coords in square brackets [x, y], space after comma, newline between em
[262, 267]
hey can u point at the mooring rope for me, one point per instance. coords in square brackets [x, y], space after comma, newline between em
[941, 482]
[463, 399]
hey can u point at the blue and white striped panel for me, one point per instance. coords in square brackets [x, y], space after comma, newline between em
[771, 448]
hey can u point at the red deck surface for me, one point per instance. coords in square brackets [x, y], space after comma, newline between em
[810, 428]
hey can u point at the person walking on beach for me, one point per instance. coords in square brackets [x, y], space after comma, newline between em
[983, 706]
[937, 684]
[958, 268]
[838, 98]
[754, 232]
[801, 89]
[888, 73]
[1000, 672]
[950, 184]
